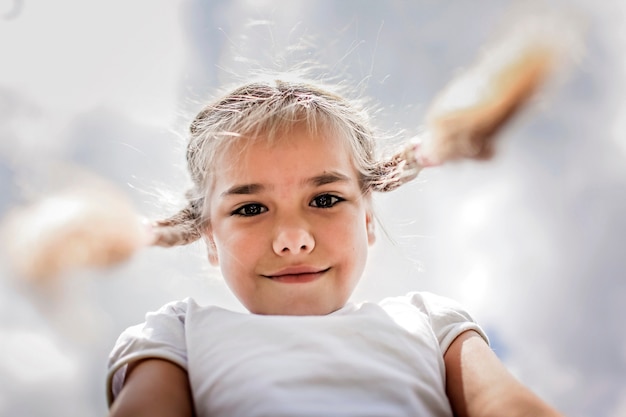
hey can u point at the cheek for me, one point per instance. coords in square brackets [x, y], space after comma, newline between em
[349, 238]
[354, 253]
[238, 249]
[236, 261]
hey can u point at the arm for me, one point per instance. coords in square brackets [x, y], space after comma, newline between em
[479, 385]
[155, 388]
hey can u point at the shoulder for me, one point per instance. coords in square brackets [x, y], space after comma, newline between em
[174, 309]
[169, 317]
[161, 336]
[434, 306]
[447, 318]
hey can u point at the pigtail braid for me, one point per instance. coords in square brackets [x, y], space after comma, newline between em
[392, 172]
[182, 228]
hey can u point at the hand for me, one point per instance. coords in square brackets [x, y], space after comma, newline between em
[465, 118]
[93, 225]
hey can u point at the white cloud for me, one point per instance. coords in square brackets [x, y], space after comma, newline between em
[35, 358]
[68, 56]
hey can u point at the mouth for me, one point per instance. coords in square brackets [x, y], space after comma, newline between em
[299, 275]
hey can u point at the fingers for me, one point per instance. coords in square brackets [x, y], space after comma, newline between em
[77, 228]
[465, 119]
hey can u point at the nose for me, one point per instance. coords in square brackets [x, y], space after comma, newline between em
[293, 240]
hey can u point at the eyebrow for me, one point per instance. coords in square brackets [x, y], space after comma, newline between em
[243, 189]
[318, 180]
[327, 178]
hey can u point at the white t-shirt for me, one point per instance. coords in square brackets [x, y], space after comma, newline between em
[382, 359]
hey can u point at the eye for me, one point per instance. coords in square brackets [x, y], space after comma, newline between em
[325, 201]
[249, 210]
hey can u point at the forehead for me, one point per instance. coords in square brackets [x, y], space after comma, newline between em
[299, 144]
[298, 149]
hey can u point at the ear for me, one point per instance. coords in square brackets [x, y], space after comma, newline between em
[369, 224]
[211, 248]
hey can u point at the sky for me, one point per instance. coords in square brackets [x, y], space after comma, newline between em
[530, 242]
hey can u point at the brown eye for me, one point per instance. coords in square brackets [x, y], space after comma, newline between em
[325, 201]
[250, 210]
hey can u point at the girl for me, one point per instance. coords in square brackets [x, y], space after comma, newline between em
[283, 177]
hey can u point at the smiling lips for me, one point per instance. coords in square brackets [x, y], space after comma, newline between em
[297, 275]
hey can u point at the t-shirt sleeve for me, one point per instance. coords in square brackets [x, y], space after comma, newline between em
[161, 336]
[447, 317]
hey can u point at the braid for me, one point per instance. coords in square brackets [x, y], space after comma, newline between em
[395, 171]
[182, 228]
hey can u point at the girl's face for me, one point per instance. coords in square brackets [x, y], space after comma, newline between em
[289, 225]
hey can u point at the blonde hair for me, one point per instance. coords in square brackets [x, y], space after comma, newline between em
[268, 109]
